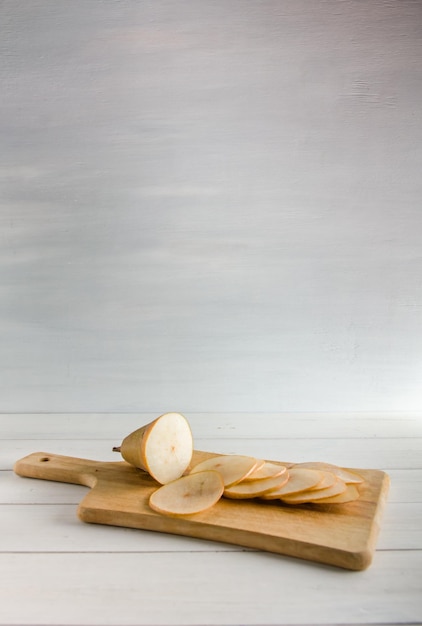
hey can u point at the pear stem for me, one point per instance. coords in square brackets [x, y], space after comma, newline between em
[116, 449]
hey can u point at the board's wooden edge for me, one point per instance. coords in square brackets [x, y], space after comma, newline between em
[378, 514]
[48, 466]
[197, 527]
[348, 560]
[59, 468]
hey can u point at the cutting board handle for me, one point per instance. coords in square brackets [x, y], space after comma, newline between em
[64, 469]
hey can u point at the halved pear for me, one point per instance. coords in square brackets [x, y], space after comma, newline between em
[315, 495]
[350, 494]
[255, 488]
[232, 467]
[163, 448]
[348, 476]
[188, 495]
[267, 470]
[300, 479]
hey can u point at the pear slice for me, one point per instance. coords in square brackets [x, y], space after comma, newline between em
[267, 470]
[255, 488]
[188, 495]
[315, 495]
[163, 448]
[300, 479]
[232, 467]
[328, 479]
[348, 476]
[350, 494]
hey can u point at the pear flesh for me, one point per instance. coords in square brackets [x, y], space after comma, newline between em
[163, 448]
[348, 476]
[315, 495]
[188, 495]
[267, 470]
[328, 479]
[255, 488]
[300, 479]
[232, 467]
[350, 494]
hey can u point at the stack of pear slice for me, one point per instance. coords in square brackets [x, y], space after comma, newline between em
[164, 449]
[299, 483]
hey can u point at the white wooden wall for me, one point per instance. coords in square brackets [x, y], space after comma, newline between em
[210, 205]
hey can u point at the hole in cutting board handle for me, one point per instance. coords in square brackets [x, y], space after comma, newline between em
[43, 459]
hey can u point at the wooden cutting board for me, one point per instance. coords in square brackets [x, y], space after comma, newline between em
[343, 535]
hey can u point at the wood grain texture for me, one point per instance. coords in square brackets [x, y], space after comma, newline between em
[405, 489]
[56, 570]
[210, 588]
[57, 528]
[282, 425]
[391, 454]
[344, 536]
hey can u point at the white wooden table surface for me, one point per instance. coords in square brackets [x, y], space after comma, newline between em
[57, 570]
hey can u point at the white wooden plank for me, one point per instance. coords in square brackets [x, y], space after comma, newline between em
[205, 588]
[365, 453]
[388, 453]
[401, 527]
[212, 425]
[56, 528]
[17, 490]
[406, 487]
[100, 450]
